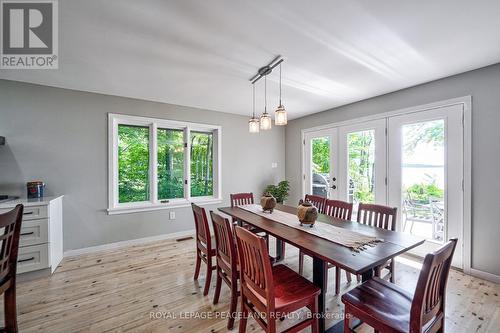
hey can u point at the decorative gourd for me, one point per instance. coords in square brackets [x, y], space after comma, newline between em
[307, 213]
[268, 202]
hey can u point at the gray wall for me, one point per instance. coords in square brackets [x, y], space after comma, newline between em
[484, 87]
[60, 136]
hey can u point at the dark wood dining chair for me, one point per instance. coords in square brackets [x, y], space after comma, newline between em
[205, 245]
[381, 217]
[268, 292]
[389, 308]
[341, 210]
[226, 262]
[317, 201]
[10, 222]
[246, 198]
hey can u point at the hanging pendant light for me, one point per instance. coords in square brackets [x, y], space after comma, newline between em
[253, 123]
[265, 118]
[280, 117]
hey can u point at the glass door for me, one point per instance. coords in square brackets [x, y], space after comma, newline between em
[362, 163]
[425, 176]
[320, 163]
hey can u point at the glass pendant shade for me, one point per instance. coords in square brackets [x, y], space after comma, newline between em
[253, 125]
[265, 121]
[280, 118]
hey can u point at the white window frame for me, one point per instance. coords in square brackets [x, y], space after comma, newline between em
[114, 207]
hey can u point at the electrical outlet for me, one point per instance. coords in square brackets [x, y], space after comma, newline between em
[172, 215]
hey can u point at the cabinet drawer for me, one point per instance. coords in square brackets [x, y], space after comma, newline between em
[34, 232]
[32, 258]
[35, 212]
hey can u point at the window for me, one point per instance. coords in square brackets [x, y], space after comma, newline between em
[156, 163]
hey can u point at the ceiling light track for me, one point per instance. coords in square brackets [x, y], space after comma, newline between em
[266, 70]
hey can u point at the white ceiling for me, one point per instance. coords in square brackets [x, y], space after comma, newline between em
[201, 53]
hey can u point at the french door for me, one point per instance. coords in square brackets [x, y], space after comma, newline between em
[426, 174]
[347, 163]
[412, 161]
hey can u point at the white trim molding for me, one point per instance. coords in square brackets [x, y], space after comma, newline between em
[122, 244]
[114, 207]
[485, 275]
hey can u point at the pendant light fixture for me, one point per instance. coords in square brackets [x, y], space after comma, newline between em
[265, 118]
[253, 123]
[280, 117]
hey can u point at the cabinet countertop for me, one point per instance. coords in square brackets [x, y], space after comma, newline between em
[29, 202]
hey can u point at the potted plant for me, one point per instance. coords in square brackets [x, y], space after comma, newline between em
[280, 191]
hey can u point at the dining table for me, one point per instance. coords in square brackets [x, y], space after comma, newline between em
[322, 250]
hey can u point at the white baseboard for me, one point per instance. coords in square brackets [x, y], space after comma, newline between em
[117, 245]
[485, 275]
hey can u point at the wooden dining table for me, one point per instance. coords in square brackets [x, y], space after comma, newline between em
[322, 250]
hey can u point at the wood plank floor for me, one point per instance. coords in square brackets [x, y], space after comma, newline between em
[150, 288]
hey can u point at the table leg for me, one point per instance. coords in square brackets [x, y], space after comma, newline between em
[279, 250]
[319, 281]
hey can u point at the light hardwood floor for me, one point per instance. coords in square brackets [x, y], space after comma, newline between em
[120, 291]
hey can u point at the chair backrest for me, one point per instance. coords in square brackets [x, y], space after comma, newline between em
[256, 276]
[201, 225]
[10, 222]
[317, 201]
[224, 242]
[377, 216]
[238, 199]
[429, 299]
[339, 209]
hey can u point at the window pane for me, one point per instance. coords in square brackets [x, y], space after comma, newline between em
[423, 176]
[133, 163]
[320, 166]
[170, 164]
[201, 164]
[361, 167]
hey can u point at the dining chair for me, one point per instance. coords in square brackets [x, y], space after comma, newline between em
[381, 217]
[205, 245]
[239, 199]
[341, 210]
[317, 201]
[389, 308]
[226, 262]
[10, 222]
[268, 292]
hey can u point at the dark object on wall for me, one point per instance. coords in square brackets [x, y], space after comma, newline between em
[2, 140]
[35, 189]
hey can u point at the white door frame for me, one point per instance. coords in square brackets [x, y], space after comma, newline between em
[466, 101]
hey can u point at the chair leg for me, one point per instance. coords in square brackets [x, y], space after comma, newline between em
[338, 271]
[232, 305]
[10, 308]
[301, 262]
[218, 284]
[314, 313]
[208, 277]
[358, 278]
[348, 277]
[197, 267]
[283, 247]
[347, 320]
[393, 271]
[244, 317]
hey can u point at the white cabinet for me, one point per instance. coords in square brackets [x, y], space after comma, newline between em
[41, 240]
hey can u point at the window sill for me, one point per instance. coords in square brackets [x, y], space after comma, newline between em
[162, 206]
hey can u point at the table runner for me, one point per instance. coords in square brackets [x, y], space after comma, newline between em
[351, 239]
